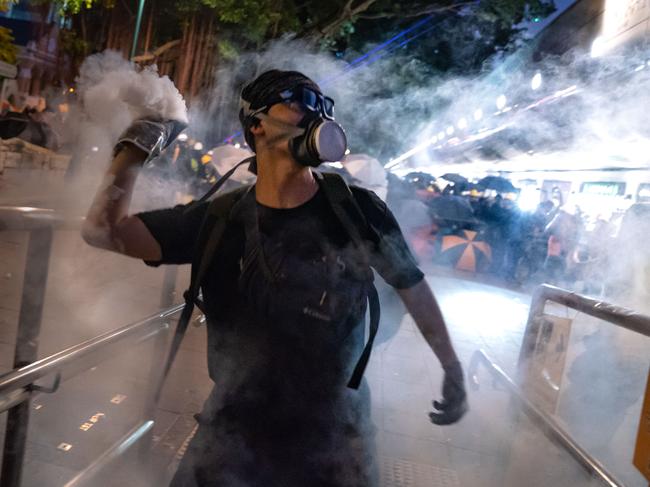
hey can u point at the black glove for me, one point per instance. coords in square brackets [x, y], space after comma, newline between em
[151, 135]
[454, 397]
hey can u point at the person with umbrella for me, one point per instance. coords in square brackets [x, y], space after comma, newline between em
[459, 184]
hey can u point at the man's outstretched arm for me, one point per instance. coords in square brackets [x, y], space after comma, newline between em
[423, 307]
[108, 225]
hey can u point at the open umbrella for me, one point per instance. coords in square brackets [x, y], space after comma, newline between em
[453, 208]
[452, 177]
[497, 183]
[13, 124]
[420, 180]
[369, 173]
[466, 250]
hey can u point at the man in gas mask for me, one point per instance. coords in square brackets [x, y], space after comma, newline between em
[284, 294]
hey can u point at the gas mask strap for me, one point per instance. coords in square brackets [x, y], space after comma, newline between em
[290, 131]
[220, 182]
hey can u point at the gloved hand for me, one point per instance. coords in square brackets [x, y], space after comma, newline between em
[151, 135]
[454, 398]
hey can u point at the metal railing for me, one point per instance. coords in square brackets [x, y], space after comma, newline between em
[548, 425]
[18, 386]
[616, 315]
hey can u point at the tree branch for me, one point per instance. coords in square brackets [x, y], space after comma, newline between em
[418, 13]
[346, 13]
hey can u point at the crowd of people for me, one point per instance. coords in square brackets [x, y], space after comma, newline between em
[556, 242]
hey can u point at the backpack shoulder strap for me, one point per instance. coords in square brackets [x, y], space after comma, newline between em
[350, 215]
[346, 209]
[212, 229]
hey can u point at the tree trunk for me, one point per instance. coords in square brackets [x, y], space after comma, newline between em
[147, 39]
[199, 61]
[84, 31]
[110, 38]
[102, 41]
[190, 54]
[204, 73]
[183, 58]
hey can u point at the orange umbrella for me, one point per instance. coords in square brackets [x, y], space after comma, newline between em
[466, 251]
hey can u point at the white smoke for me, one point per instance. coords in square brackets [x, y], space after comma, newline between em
[114, 93]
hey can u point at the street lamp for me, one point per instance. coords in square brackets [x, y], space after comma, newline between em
[536, 82]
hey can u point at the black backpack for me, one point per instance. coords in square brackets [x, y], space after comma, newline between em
[346, 210]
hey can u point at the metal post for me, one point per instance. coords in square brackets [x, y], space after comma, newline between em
[29, 327]
[532, 328]
[169, 287]
[136, 34]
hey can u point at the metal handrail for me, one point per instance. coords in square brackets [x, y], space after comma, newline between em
[27, 218]
[617, 315]
[550, 427]
[18, 386]
[24, 377]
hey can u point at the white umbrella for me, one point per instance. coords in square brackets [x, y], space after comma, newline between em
[225, 157]
[369, 172]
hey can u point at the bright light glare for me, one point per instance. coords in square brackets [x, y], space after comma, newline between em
[198, 146]
[501, 102]
[478, 114]
[347, 152]
[462, 123]
[598, 47]
[441, 136]
[237, 145]
[182, 137]
[418, 148]
[450, 130]
[528, 198]
[95, 149]
[536, 82]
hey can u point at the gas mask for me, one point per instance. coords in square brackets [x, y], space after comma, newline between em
[313, 141]
[317, 138]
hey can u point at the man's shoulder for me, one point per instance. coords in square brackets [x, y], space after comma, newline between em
[224, 201]
[370, 204]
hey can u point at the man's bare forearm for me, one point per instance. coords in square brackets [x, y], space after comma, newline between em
[423, 307]
[111, 203]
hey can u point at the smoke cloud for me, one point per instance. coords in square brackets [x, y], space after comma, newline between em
[114, 93]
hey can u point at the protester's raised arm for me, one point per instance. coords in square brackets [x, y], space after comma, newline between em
[108, 225]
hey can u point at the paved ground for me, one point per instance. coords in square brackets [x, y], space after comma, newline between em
[90, 292]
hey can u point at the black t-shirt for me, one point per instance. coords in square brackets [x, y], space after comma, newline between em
[273, 340]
